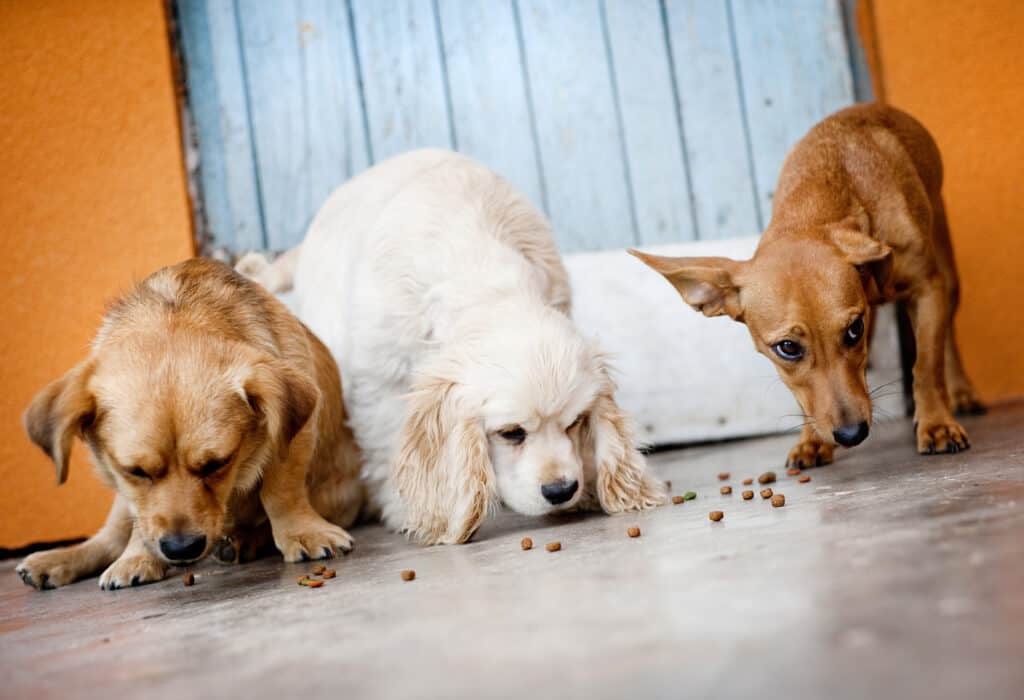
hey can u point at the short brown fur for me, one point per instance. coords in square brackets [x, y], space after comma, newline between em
[857, 220]
[214, 413]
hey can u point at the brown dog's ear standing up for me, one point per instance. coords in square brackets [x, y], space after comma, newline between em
[858, 220]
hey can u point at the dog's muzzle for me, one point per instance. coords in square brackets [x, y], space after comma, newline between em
[183, 546]
[558, 492]
[850, 435]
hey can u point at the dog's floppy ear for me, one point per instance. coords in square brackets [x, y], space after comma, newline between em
[444, 475]
[622, 481]
[60, 412]
[706, 284]
[871, 257]
[282, 398]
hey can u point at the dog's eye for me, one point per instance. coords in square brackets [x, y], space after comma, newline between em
[514, 435]
[139, 473]
[212, 466]
[788, 350]
[854, 332]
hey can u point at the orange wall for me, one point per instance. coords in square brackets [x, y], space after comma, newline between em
[92, 196]
[957, 66]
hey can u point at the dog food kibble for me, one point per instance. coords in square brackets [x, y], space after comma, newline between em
[748, 482]
[747, 495]
[330, 573]
[766, 493]
[778, 500]
[766, 478]
[722, 476]
[408, 575]
[553, 546]
[793, 472]
[319, 569]
[716, 515]
[314, 583]
[527, 543]
[677, 499]
[689, 496]
[302, 580]
[804, 479]
[189, 579]
[633, 532]
[725, 490]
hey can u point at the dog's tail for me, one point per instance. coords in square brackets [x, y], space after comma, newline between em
[277, 276]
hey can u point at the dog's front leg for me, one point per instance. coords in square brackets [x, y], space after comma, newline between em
[811, 451]
[299, 531]
[59, 567]
[135, 566]
[937, 430]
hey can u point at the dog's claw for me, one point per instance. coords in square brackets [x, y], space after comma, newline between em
[132, 570]
[321, 540]
[941, 437]
[225, 551]
[25, 576]
[810, 452]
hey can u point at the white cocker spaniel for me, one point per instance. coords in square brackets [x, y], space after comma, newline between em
[441, 294]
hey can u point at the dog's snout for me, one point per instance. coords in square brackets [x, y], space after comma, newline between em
[850, 435]
[183, 546]
[559, 491]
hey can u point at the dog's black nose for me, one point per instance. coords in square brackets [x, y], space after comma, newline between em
[559, 491]
[183, 546]
[850, 435]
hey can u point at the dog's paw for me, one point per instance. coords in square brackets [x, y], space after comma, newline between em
[226, 551]
[966, 403]
[46, 570]
[132, 570]
[312, 540]
[252, 265]
[938, 437]
[810, 453]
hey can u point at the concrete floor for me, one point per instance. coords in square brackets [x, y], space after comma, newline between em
[888, 575]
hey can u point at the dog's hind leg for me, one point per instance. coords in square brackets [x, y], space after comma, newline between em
[961, 392]
[937, 430]
[59, 567]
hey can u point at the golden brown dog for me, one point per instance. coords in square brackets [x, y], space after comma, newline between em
[211, 410]
[857, 220]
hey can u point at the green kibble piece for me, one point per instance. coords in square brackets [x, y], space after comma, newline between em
[689, 496]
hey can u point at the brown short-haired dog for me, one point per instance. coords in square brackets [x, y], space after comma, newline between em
[857, 220]
[213, 412]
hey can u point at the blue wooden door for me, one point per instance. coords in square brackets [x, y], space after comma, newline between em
[629, 122]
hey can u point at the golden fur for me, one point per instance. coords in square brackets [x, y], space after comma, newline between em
[218, 419]
[857, 220]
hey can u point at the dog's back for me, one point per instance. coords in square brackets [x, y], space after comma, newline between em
[854, 162]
